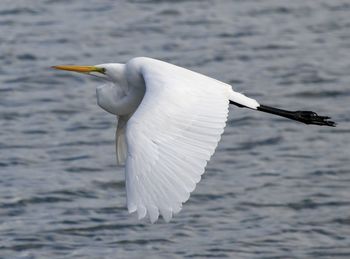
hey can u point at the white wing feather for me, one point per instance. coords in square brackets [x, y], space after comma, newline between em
[120, 140]
[171, 136]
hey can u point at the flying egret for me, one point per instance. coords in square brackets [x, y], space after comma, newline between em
[170, 120]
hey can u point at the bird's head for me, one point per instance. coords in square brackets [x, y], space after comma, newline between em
[108, 95]
[113, 72]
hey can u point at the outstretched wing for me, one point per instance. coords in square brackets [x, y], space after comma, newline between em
[171, 136]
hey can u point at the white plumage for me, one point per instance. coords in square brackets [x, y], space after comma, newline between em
[170, 122]
[171, 136]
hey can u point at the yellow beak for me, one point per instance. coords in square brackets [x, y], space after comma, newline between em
[80, 69]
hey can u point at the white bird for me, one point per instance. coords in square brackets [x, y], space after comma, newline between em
[170, 121]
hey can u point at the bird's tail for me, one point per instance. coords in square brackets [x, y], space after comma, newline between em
[243, 101]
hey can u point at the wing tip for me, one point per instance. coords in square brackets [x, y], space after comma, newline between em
[154, 217]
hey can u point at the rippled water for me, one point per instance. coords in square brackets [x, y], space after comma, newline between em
[274, 188]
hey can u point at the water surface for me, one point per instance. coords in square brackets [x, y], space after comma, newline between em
[273, 189]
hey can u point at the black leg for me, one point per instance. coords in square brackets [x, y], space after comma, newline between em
[307, 117]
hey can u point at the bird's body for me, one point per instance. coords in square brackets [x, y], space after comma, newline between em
[170, 120]
[170, 87]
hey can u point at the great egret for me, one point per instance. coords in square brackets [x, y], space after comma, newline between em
[170, 120]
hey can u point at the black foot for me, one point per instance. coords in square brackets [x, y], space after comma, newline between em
[309, 117]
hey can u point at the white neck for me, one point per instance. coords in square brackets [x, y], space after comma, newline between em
[122, 96]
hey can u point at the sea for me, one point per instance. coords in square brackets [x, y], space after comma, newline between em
[275, 188]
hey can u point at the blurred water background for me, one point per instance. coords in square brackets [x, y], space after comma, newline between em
[274, 188]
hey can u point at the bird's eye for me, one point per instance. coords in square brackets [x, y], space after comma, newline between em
[103, 70]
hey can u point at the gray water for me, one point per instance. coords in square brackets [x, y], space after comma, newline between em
[274, 188]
